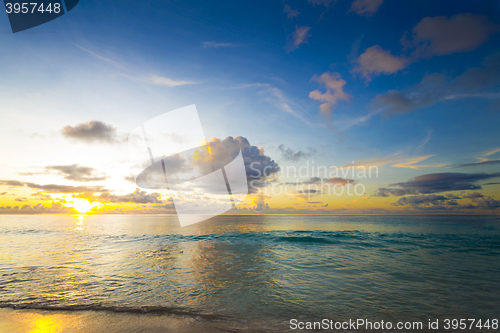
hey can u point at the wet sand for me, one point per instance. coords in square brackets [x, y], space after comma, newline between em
[41, 321]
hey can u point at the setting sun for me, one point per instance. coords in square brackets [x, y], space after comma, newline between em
[81, 205]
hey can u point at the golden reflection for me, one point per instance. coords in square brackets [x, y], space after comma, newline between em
[79, 222]
[46, 324]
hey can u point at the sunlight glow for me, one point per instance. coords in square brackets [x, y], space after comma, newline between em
[46, 324]
[81, 205]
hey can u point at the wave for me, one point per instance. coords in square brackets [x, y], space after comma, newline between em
[160, 310]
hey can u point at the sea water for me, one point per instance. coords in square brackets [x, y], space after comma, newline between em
[255, 270]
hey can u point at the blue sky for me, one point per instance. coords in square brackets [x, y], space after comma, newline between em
[397, 82]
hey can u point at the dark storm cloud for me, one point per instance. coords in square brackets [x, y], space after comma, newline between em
[91, 131]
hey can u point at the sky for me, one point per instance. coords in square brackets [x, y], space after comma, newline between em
[396, 102]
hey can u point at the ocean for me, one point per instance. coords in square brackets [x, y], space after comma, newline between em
[255, 271]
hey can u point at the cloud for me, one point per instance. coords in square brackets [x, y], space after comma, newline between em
[487, 203]
[215, 45]
[325, 3]
[442, 35]
[410, 163]
[430, 90]
[376, 61]
[317, 180]
[291, 13]
[76, 172]
[107, 60]
[13, 183]
[55, 208]
[289, 155]
[53, 188]
[259, 167]
[299, 36]
[435, 201]
[484, 160]
[474, 195]
[402, 162]
[317, 186]
[138, 197]
[438, 87]
[431, 199]
[485, 76]
[436, 183]
[365, 7]
[334, 85]
[482, 163]
[432, 36]
[91, 131]
[167, 82]
[278, 98]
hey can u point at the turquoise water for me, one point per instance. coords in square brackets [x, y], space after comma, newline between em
[257, 271]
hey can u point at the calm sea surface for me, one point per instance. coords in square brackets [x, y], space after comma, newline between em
[255, 270]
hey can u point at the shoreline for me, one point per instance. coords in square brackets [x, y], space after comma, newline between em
[108, 321]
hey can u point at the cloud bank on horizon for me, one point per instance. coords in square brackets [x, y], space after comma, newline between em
[339, 106]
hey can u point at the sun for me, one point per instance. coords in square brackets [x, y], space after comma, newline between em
[81, 205]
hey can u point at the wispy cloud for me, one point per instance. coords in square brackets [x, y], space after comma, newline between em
[395, 160]
[483, 161]
[345, 124]
[167, 82]
[152, 79]
[278, 98]
[299, 36]
[216, 45]
[291, 13]
[107, 60]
